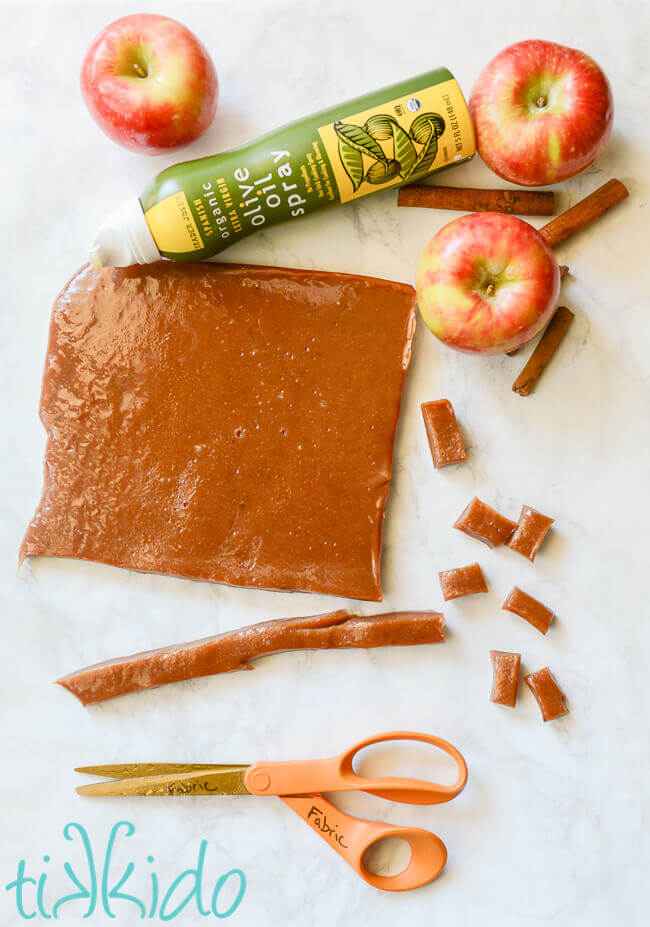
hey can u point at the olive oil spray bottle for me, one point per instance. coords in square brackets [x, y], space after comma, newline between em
[196, 209]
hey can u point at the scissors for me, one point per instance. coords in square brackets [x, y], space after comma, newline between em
[299, 785]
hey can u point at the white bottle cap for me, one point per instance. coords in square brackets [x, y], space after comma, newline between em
[124, 238]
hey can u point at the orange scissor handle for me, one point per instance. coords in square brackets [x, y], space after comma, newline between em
[336, 774]
[351, 837]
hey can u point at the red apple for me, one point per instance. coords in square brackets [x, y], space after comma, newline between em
[542, 113]
[149, 83]
[487, 283]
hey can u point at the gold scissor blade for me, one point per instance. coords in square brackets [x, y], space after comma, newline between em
[130, 770]
[224, 780]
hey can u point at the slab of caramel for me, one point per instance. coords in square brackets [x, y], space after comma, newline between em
[224, 423]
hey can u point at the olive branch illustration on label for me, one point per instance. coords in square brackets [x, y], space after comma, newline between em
[407, 162]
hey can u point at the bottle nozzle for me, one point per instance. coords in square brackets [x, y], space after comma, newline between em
[124, 238]
[96, 257]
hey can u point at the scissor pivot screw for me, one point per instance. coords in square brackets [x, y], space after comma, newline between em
[261, 781]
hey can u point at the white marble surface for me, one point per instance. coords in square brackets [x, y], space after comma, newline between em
[552, 827]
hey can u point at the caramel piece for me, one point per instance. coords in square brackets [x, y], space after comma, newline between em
[223, 422]
[528, 608]
[505, 677]
[548, 694]
[234, 650]
[531, 531]
[466, 580]
[484, 523]
[442, 431]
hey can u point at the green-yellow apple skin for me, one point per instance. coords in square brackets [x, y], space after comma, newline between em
[542, 112]
[487, 283]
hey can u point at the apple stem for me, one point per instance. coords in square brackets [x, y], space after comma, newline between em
[489, 289]
[138, 70]
[541, 102]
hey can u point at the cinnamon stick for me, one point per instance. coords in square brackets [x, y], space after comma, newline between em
[564, 270]
[543, 353]
[471, 199]
[585, 212]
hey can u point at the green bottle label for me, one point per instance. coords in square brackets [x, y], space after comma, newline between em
[394, 136]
